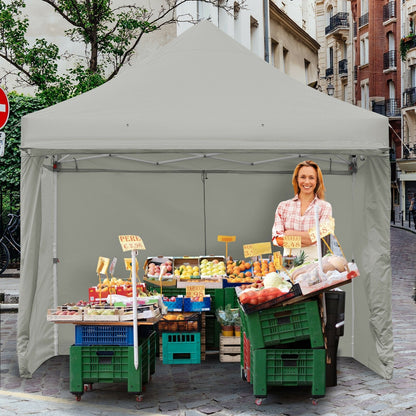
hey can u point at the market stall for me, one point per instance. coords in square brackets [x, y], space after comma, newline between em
[132, 157]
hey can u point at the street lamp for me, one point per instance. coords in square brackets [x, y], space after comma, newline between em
[330, 89]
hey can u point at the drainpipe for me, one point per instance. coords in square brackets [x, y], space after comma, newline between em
[266, 30]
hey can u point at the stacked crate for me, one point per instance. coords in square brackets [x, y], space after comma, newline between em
[283, 346]
[105, 354]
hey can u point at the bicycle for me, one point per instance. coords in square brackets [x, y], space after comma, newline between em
[8, 239]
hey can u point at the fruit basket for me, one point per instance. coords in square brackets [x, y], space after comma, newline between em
[180, 322]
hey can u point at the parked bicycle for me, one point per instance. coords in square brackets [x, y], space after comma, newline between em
[7, 240]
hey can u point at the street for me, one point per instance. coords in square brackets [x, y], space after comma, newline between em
[215, 388]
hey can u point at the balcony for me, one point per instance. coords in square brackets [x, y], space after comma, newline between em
[329, 72]
[389, 11]
[409, 97]
[363, 20]
[388, 108]
[407, 46]
[390, 60]
[337, 22]
[355, 29]
[355, 73]
[343, 68]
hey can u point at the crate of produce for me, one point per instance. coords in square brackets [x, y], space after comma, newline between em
[103, 335]
[102, 313]
[181, 348]
[197, 304]
[174, 303]
[248, 308]
[288, 367]
[285, 324]
[180, 322]
[64, 315]
[105, 364]
[154, 266]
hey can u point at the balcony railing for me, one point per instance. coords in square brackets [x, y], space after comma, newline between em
[355, 72]
[355, 29]
[340, 20]
[343, 68]
[329, 72]
[390, 59]
[388, 108]
[409, 97]
[363, 20]
[389, 11]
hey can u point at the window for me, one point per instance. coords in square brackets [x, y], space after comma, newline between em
[364, 51]
[285, 60]
[307, 66]
[330, 57]
[365, 96]
[329, 14]
[364, 7]
[274, 58]
[413, 76]
[390, 38]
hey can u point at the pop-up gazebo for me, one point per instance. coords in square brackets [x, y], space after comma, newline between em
[198, 140]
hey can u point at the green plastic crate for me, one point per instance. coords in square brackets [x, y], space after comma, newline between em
[105, 364]
[230, 297]
[288, 367]
[284, 325]
[212, 333]
[181, 347]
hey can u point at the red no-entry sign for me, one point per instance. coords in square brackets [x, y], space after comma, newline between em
[4, 108]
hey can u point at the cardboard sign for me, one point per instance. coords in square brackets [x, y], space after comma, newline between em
[195, 291]
[325, 228]
[226, 238]
[253, 250]
[102, 265]
[131, 242]
[292, 241]
[278, 260]
[127, 263]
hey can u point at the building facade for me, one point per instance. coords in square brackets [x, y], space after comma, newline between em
[336, 55]
[377, 69]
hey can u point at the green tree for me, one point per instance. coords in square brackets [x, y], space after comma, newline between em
[109, 33]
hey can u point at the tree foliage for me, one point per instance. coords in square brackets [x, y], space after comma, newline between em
[110, 35]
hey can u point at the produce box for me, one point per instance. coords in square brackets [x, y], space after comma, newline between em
[285, 324]
[153, 267]
[288, 367]
[99, 313]
[209, 283]
[181, 348]
[103, 335]
[174, 303]
[97, 295]
[201, 304]
[180, 322]
[144, 312]
[64, 315]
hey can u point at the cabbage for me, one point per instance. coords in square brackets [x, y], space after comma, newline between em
[276, 280]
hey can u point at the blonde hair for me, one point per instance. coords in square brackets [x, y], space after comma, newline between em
[320, 187]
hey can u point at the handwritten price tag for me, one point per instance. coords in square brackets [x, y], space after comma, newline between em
[253, 250]
[325, 228]
[278, 260]
[127, 263]
[131, 242]
[292, 241]
[195, 291]
[226, 238]
[102, 265]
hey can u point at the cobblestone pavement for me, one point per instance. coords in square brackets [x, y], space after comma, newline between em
[214, 388]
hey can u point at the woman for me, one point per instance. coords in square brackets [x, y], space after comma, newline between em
[296, 216]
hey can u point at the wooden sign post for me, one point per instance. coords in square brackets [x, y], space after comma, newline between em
[226, 239]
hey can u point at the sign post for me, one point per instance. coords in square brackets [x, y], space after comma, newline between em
[4, 108]
[133, 243]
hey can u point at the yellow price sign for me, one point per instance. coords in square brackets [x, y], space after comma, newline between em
[131, 242]
[127, 263]
[325, 228]
[253, 250]
[278, 260]
[195, 291]
[292, 241]
[102, 265]
[226, 238]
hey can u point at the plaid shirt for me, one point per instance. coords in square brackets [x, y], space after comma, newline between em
[288, 216]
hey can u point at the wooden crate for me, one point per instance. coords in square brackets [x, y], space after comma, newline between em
[229, 349]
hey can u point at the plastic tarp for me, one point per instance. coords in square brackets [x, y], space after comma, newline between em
[199, 140]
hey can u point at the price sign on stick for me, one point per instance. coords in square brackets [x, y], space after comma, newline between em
[278, 260]
[102, 265]
[226, 239]
[325, 228]
[113, 265]
[195, 291]
[292, 241]
[131, 242]
[253, 250]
